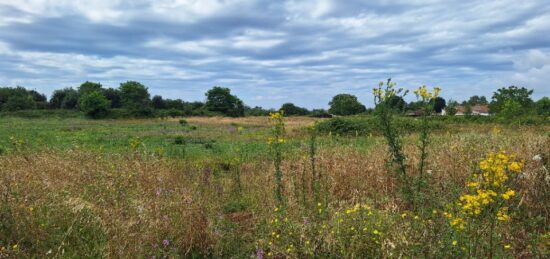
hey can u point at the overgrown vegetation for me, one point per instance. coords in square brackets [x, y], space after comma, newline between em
[381, 186]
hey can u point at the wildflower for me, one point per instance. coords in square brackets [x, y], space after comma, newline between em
[260, 253]
[507, 247]
[508, 194]
[375, 232]
[537, 158]
[455, 242]
[15, 247]
[502, 214]
[165, 242]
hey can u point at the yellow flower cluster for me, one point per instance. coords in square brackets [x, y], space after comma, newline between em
[423, 93]
[278, 140]
[276, 115]
[488, 188]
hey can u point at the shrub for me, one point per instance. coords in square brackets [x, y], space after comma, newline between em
[94, 105]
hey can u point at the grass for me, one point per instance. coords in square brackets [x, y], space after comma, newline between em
[150, 187]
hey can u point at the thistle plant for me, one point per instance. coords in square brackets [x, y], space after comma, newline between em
[276, 142]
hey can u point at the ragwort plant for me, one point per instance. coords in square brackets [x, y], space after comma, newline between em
[486, 206]
[426, 98]
[276, 142]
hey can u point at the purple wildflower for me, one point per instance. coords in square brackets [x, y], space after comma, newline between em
[165, 242]
[260, 253]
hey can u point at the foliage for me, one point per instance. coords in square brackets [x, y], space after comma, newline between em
[439, 104]
[94, 105]
[66, 98]
[135, 98]
[292, 110]
[345, 104]
[113, 95]
[503, 95]
[220, 99]
[543, 106]
[451, 108]
[158, 102]
[476, 100]
[89, 87]
[18, 98]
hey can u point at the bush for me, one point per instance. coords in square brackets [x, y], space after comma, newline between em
[94, 105]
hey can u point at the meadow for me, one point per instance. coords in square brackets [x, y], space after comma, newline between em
[282, 187]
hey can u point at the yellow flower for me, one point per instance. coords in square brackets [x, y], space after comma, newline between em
[455, 242]
[508, 194]
[507, 247]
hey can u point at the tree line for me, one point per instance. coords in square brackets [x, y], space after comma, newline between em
[132, 99]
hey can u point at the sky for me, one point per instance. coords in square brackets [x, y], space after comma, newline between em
[272, 52]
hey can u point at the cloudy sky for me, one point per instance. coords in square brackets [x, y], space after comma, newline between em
[271, 52]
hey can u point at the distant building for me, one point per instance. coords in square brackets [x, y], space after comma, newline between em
[481, 110]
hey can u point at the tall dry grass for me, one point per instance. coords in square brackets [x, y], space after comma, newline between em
[76, 203]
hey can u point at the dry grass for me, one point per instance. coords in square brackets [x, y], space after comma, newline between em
[135, 202]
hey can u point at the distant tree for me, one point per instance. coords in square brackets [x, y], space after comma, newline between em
[512, 93]
[292, 110]
[66, 98]
[511, 109]
[18, 98]
[94, 104]
[40, 99]
[415, 105]
[467, 109]
[158, 102]
[319, 113]
[542, 106]
[113, 95]
[439, 104]
[397, 103]
[135, 98]
[451, 108]
[177, 104]
[70, 101]
[476, 100]
[88, 87]
[345, 104]
[220, 100]
[257, 111]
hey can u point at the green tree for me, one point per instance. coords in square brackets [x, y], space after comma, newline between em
[397, 103]
[113, 95]
[542, 106]
[158, 102]
[60, 99]
[519, 95]
[439, 104]
[135, 98]
[220, 100]
[451, 108]
[292, 110]
[511, 109]
[345, 104]
[477, 100]
[13, 99]
[88, 87]
[70, 101]
[94, 105]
